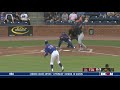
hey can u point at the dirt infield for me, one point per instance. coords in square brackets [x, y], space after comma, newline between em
[97, 50]
[36, 50]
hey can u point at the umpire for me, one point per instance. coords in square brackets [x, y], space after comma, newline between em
[72, 34]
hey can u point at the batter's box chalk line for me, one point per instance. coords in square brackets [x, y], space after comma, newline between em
[66, 50]
[88, 50]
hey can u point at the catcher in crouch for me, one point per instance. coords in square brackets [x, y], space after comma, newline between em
[65, 38]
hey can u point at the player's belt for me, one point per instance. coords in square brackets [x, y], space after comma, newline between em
[53, 51]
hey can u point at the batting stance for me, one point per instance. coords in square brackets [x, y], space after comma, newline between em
[80, 34]
[50, 49]
[65, 38]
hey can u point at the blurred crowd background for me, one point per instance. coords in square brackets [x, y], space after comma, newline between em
[59, 18]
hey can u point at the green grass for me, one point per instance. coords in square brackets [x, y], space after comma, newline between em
[40, 64]
[55, 42]
[20, 43]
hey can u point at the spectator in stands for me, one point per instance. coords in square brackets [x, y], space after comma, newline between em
[24, 18]
[17, 17]
[2, 17]
[49, 18]
[117, 14]
[9, 18]
[72, 17]
[61, 13]
[46, 16]
[57, 17]
[110, 13]
[64, 17]
[86, 19]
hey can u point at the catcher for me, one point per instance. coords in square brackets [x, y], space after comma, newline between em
[65, 38]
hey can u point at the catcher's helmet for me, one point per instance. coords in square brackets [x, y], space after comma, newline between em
[46, 42]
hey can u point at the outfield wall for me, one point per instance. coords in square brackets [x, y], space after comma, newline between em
[55, 30]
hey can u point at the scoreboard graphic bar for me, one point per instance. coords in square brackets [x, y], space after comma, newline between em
[85, 72]
[59, 74]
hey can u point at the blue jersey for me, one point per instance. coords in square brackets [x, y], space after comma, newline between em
[49, 49]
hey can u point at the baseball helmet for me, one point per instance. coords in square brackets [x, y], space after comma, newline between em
[46, 42]
[63, 33]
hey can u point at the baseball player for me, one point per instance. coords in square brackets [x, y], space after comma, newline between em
[80, 35]
[50, 49]
[72, 34]
[65, 38]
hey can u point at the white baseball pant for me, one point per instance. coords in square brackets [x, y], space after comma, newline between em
[80, 38]
[54, 56]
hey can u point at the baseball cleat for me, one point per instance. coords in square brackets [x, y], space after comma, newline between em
[62, 69]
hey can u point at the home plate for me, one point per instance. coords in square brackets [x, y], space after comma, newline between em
[42, 51]
[10, 47]
[91, 50]
[66, 50]
[87, 51]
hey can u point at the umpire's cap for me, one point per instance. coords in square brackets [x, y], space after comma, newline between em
[46, 42]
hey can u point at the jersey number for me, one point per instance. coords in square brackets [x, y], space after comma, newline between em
[50, 46]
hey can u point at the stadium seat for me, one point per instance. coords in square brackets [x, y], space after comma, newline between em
[106, 22]
[93, 18]
[97, 22]
[90, 23]
[101, 18]
[113, 22]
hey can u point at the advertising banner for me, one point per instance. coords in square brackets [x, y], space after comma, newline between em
[20, 31]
